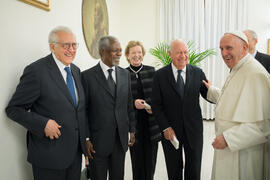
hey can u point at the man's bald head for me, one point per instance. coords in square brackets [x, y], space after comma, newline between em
[179, 53]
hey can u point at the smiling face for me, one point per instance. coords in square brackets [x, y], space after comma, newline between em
[66, 56]
[179, 54]
[135, 56]
[111, 56]
[233, 49]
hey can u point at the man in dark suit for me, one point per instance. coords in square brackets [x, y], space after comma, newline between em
[110, 111]
[49, 102]
[264, 59]
[175, 104]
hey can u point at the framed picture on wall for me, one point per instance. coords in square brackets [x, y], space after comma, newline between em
[95, 21]
[43, 4]
[268, 46]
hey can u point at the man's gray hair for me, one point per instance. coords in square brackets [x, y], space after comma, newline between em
[53, 34]
[105, 42]
[252, 33]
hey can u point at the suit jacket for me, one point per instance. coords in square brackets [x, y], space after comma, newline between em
[107, 113]
[264, 59]
[182, 114]
[42, 94]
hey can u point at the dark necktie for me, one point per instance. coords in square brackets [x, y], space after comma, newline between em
[70, 85]
[180, 83]
[111, 82]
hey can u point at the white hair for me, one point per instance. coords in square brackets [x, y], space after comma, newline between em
[252, 33]
[179, 40]
[105, 42]
[53, 34]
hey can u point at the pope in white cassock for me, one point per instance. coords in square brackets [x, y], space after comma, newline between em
[242, 114]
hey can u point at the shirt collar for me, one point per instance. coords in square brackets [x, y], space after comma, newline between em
[60, 65]
[254, 54]
[104, 67]
[175, 70]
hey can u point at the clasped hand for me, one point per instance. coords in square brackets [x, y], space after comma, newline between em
[52, 129]
[219, 142]
[90, 149]
[169, 134]
[140, 104]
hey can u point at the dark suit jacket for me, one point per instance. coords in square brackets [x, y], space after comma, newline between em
[264, 59]
[107, 114]
[41, 95]
[183, 115]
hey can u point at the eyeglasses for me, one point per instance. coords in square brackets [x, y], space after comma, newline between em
[68, 45]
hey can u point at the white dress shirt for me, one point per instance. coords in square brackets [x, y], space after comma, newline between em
[254, 54]
[61, 68]
[175, 73]
[105, 68]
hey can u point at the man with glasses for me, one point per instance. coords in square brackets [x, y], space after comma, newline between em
[49, 102]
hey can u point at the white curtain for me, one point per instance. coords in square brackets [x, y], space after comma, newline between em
[204, 22]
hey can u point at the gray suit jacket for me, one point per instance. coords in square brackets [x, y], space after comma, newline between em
[108, 114]
[41, 95]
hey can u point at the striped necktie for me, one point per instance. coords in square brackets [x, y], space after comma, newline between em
[70, 85]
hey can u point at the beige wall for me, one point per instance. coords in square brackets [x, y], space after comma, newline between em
[259, 21]
[24, 31]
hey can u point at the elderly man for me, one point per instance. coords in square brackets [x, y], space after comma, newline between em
[110, 111]
[264, 59]
[49, 103]
[242, 114]
[175, 103]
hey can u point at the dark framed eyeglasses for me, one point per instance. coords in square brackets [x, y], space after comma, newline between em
[68, 45]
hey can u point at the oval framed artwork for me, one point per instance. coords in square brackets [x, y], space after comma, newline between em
[95, 24]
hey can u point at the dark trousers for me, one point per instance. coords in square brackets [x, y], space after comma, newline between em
[143, 158]
[174, 160]
[73, 172]
[114, 163]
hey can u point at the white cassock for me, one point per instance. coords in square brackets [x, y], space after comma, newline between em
[242, 115]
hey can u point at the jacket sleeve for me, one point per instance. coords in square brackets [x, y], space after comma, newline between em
[157, 104]
[87, 104]
[131, 112]
[19, 108]
[245, 135]
[213, 94]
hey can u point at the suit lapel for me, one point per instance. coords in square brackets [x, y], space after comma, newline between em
[188, 79]
[58, 78]
[101, 79]
[172, 80]
[258, 56]
[119, 81]
[77, 80]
